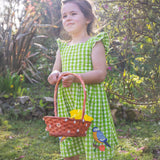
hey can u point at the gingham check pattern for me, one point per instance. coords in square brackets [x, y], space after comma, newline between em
[77, 59]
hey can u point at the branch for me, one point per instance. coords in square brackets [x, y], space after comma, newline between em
[131, 101]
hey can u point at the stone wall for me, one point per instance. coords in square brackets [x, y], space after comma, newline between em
[28, 108]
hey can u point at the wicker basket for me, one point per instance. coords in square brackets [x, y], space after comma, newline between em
[64, 126]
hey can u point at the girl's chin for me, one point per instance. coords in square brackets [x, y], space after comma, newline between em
[71, 32]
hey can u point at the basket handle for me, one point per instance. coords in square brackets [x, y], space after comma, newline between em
[56, 89]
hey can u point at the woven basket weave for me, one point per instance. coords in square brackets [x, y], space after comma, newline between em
[64, 126]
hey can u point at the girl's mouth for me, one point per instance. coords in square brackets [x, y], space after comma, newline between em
[69, 24]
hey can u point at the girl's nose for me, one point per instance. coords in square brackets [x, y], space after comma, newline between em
[68, 18]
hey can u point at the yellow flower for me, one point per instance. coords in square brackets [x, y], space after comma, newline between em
[21, 75]
[11, 94]
[12, 86]
[21, 78]
[141, 46]
[77, 114]
[88, 118]
[149, 26]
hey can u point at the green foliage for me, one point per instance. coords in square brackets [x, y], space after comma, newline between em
[19, 41]
[4, 124]
[11, 85]
[48, 28]
[39, 90]
[41, 104]
[133, 27]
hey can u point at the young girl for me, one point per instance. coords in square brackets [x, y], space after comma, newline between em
[85, 56]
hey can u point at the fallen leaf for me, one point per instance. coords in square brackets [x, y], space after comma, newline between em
[21, 157]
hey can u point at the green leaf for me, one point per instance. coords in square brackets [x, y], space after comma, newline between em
[6, 96]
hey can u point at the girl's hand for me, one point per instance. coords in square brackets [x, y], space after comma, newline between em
[68, 80]
[53, 77]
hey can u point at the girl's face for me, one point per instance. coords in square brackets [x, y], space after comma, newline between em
[73, 19]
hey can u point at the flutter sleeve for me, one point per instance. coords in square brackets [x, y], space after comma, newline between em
[103, 37]
[61, 44]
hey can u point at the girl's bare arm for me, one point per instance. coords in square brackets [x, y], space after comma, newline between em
[53, 77]
[57, 65]
[99, 71]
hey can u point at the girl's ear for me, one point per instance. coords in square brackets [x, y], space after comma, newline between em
[88, 21]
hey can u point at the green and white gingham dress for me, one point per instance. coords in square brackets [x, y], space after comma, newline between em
[77, 59]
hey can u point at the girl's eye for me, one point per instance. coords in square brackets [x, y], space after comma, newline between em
[74, 14]
[64, 16]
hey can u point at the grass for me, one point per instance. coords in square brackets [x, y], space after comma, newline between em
[28, 140]
[138, 141]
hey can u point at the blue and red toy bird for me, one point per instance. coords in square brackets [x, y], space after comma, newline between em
[99, 136]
